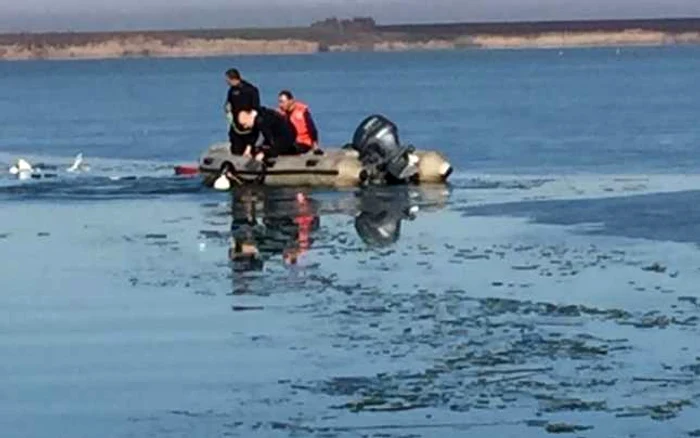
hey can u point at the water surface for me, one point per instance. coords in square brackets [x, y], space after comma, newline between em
[550, 288]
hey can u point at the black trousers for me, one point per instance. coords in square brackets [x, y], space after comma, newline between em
[239, 142]
[281, 149]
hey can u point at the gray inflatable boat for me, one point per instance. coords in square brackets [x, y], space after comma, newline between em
[375, 157]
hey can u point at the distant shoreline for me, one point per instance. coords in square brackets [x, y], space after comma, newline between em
[360, 34]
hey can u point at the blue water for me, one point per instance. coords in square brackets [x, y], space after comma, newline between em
[549, 291]
[576, 110]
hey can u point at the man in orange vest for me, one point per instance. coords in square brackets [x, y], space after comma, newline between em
[300, 118]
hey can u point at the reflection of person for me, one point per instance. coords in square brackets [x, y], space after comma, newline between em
[270, 222]
[299, 116]
[306, 222]
[244, 252]
[278, 134]
[245, 255]
[290, 220]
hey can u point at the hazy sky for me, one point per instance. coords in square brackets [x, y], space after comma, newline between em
[34, 15]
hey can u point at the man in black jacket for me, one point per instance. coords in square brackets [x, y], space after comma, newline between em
[278, 134]
[242, 96]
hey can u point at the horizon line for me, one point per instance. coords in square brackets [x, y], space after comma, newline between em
[378, 24]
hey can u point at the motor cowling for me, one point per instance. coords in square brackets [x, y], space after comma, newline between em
[376, 140]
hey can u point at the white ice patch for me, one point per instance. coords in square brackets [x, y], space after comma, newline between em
[77, 164]
[21, 169]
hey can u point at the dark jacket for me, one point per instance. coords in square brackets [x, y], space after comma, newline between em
[278, 134]
[243, 97]
[313, 131]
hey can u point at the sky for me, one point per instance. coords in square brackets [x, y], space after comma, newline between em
[85, 15]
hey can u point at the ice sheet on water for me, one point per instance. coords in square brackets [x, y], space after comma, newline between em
[486, 189]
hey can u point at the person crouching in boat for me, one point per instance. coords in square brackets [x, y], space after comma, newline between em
[278, 134]
[299, 116]
[241, 96]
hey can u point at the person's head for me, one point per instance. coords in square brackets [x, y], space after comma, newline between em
[285, 100]
[247, 119]
[233, 77]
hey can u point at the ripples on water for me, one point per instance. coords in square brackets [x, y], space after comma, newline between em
[136, 303]
[388, 320]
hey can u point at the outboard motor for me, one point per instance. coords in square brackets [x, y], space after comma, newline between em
[381, 153]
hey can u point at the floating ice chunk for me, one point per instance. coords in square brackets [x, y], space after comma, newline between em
[77, 163]
[22, 169]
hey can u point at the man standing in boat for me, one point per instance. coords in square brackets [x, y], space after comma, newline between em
[242, 96]
[299, 116]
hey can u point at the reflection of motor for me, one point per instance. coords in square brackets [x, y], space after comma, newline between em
[383, 157]
[379, 223]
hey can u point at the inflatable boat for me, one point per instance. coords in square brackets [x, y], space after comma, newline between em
[374, 157]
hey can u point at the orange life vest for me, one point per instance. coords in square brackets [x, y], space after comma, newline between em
[297, 117]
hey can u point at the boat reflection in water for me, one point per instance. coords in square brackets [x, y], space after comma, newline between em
[284, 222]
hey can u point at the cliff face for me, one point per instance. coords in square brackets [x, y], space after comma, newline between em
[586, 39]
[142, 46]
[347, 35]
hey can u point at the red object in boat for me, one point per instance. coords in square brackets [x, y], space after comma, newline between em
[186, 169]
